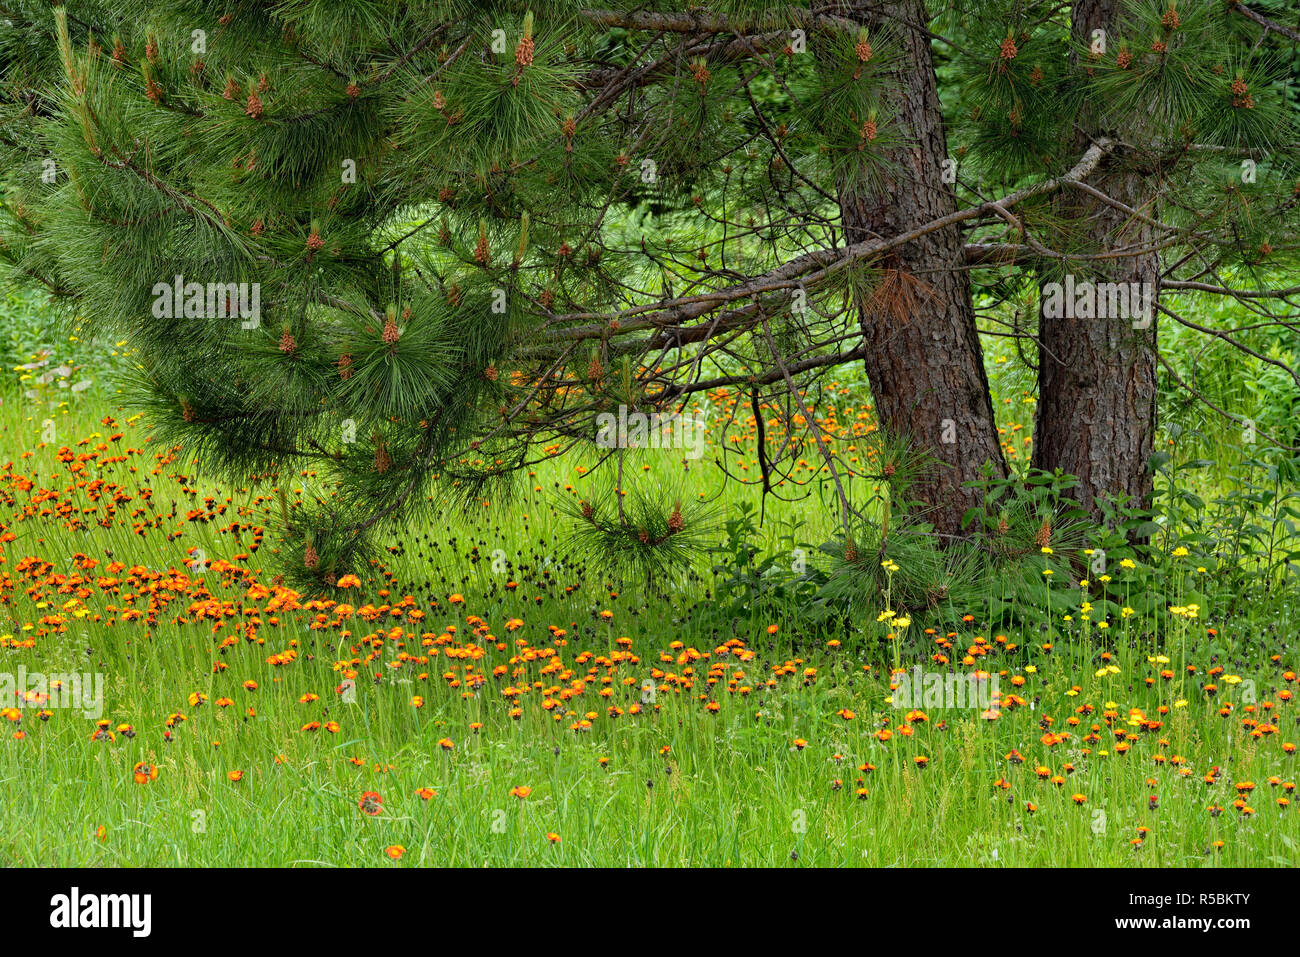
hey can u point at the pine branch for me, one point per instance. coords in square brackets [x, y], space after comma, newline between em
[1270, 25]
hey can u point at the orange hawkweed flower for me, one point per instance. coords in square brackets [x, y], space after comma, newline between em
[521, 791]
[371, 803]
[553, 837]
[235, 775]
[395, 851]
[426, 793]
[144, 772]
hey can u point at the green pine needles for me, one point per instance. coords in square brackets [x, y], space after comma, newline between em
[409, 245]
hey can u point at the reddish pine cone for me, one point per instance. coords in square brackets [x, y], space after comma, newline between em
[1044, 537]
[287, 344]
[345, 367]
[524, 52]
[1241, 97]
[1008, 49]
[391, 332]
[309, 558]
[314, 241]
[675, 521]
[254, 108]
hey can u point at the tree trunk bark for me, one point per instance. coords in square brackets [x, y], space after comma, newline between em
[1097, 375]
[924, 364]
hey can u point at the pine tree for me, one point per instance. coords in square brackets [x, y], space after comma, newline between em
[412, 245]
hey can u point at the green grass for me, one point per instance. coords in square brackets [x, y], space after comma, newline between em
[731, 788]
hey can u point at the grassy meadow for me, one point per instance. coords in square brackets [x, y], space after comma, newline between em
[487, 695]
